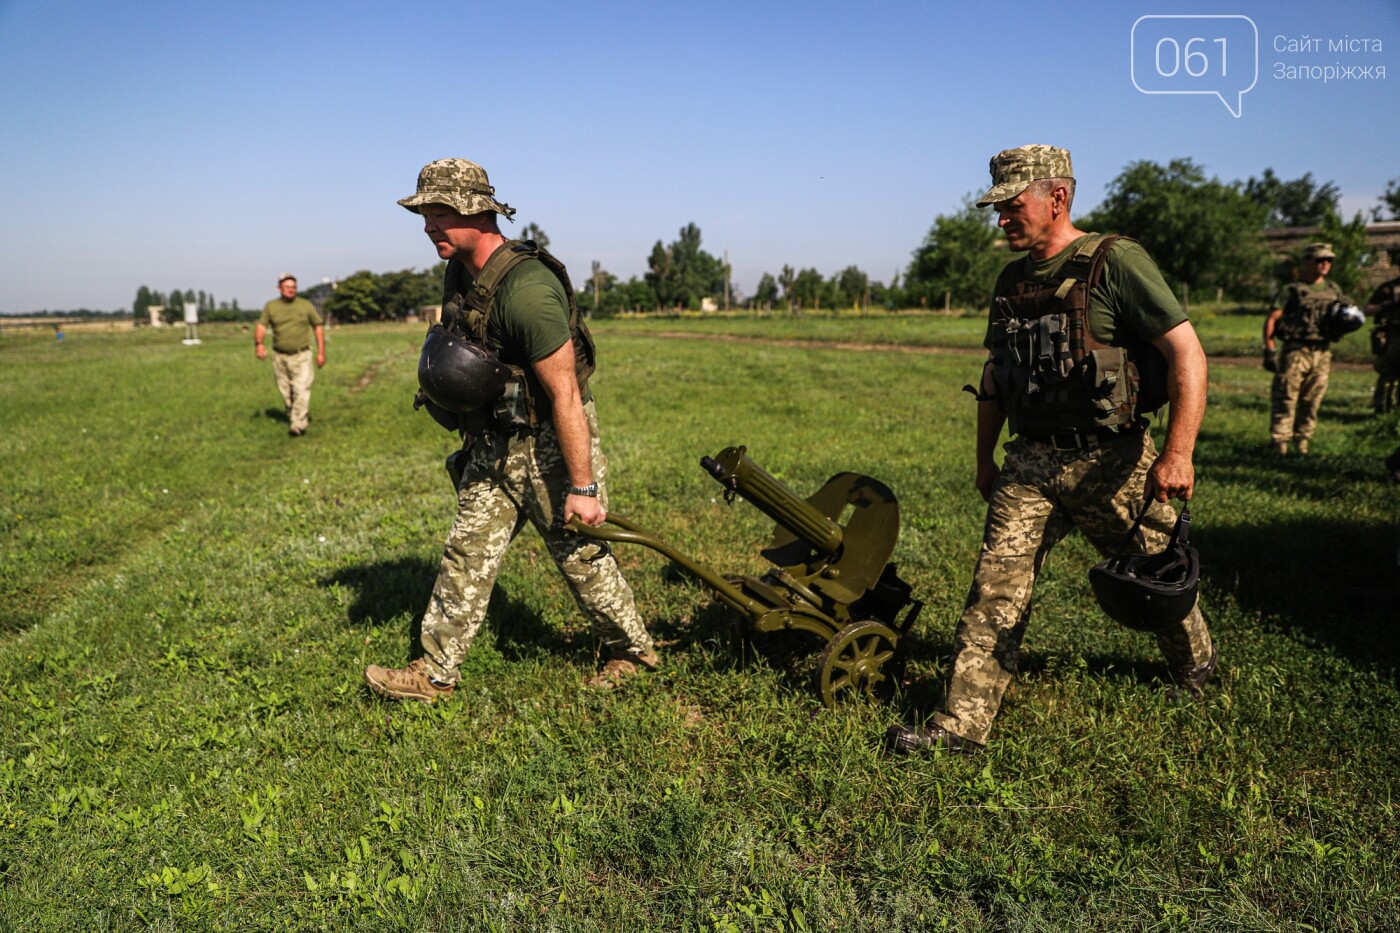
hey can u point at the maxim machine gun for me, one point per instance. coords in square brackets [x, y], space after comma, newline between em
[831, 573]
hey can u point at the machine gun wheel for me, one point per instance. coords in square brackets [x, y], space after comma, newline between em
[854, 663]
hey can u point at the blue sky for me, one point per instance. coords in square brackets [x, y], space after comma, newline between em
[212, 146]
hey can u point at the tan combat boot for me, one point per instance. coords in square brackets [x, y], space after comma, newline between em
[1302, 445]
[1281, 448]
[406, 683]
[622, 664]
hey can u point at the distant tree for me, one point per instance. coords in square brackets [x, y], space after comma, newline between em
[766, 295]
[682, 273]
[1298, 203]
[786, 278]
[640, 295]
[959, 257]
[144, 300]
[399, 294]
[1202, 232]
[355, 299]
[532, 231]
[853, 285]
[1389, 208]
[175, 306]
[600, 295]
[809, 288]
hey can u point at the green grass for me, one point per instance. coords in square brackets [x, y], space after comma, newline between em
[188, 598]
[1225, 329]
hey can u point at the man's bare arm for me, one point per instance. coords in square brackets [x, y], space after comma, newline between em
[556, 374]
[1173, 474]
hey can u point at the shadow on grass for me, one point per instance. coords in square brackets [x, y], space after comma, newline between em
[392, 589]
[276, 414]
[921, 695]
[1332, 581]
[1318, 476]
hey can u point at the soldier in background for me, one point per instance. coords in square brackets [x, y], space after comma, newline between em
[514, 299]
[1066, 322]
[1301, 370]
[293, 321]
[1384, 308]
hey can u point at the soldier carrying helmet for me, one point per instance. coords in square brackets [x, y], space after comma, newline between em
[1084, 339]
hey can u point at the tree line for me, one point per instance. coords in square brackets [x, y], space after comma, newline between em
[1206, 235]
[173, 302]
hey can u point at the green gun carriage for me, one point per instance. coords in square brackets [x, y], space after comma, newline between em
[831, 574]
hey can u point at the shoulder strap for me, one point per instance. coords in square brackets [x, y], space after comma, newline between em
[1101, 256]
[1086, 263]
[480, 297]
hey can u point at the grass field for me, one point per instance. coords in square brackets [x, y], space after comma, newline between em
[188, 598]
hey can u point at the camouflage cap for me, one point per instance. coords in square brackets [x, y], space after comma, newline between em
[1013, 170]
[459, 184]
[1319, 251]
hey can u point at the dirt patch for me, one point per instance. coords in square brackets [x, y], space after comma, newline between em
[371, 372]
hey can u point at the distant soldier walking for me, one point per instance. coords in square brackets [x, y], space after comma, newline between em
[1297, 318]
[293, 321]
[1384, 307]
[1085, 339]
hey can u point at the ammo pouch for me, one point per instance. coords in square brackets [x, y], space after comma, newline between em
[1110, 379]
[515, 411]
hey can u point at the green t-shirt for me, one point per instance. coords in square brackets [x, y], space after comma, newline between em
[531, 317]
[1130, 296]
[291, 323]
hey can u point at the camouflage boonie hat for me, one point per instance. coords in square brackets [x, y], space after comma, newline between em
[1013, 170]
[1319, 251]
[459, 184]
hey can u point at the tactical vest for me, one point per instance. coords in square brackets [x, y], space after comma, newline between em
[467, 305]
[1050, 374]
[1303, 314]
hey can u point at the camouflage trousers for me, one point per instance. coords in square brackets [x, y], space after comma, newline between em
[295, 372]
[1299, 385]
[1042, 495]
[505, 482]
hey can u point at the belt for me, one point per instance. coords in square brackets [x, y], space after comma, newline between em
[290, 352]
[1089, 439]
[1309, 344]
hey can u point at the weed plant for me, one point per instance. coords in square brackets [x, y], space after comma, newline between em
[188, 598]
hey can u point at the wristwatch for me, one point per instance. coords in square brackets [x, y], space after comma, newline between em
[591, 490]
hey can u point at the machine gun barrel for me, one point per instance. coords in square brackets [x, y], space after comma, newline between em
[737, 472]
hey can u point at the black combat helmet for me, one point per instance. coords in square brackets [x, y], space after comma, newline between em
[1341, 319]
[1149, 592]
[459, 375]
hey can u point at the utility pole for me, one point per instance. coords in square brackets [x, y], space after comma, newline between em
[597, 286]
[726, 280]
